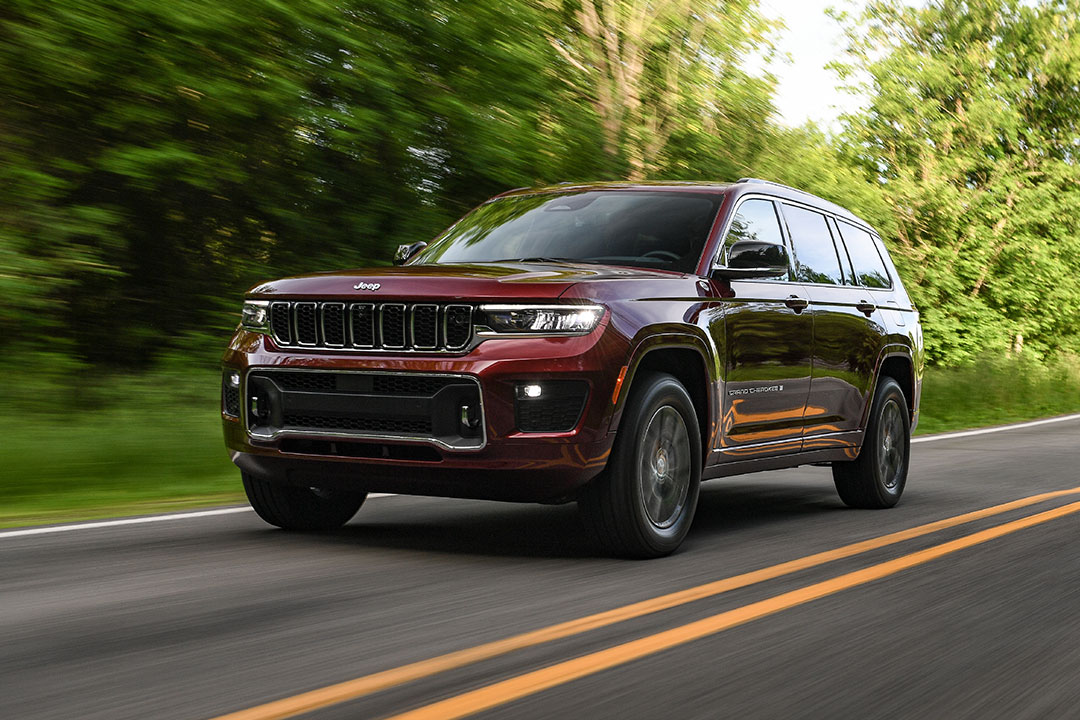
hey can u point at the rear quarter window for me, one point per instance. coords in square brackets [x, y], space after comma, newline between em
[865, 259]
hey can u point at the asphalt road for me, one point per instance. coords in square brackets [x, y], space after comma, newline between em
[195, 618]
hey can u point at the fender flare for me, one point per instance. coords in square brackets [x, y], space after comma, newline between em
[671, 340]
[890, 350]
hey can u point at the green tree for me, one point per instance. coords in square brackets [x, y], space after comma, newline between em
[664, 78]
[970, 130]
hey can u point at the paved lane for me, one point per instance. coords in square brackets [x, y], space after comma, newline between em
[194, 618]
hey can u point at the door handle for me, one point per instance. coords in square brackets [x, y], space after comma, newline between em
[866, 307]
[797, 303]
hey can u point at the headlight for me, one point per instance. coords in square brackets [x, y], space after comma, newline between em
[256, 316]
[538, 319]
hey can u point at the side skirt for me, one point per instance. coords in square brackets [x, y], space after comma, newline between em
[779, 462]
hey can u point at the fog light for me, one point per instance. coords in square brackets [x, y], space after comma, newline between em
[234, 379]
[531, 391]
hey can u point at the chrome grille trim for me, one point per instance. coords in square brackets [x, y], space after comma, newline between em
[448, 332]
[390, 325]
[365, 326]
[340, 329]
[281, 319]
[303, 307]
[361, 314]
[416, 344]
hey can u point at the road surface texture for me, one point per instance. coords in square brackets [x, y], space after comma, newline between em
[977, 616]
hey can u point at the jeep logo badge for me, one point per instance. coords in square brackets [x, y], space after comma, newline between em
[367, 286]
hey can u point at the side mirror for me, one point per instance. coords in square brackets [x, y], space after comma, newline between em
[753, 259]
[405, 252]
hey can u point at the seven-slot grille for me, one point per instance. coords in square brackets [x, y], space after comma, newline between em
[391, 326]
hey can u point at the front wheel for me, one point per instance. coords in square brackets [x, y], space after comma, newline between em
[642, 505]
[877, 477]
[301, 508]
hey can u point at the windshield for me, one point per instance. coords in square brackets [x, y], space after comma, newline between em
[665, 230]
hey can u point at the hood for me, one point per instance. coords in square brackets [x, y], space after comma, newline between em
[480, 281]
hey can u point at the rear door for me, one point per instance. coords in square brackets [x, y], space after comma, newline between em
[848, 332]
[769, 341]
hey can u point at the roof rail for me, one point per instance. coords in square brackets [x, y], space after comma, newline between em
[837, 208]
[759, 181]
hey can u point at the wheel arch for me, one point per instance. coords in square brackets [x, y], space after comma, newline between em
[895, 362]
[685, 357]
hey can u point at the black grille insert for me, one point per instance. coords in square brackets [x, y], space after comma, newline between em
[306, 332]
[393, 325]
[363, 325]
[333, 324]
[281, 323]
[425, 327]
[230, 395]
[445, 409]
[458, 330]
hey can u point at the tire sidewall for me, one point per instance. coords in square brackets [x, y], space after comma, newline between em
[661, 390]
[888, 389]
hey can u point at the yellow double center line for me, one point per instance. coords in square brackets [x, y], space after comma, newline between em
[532, 682]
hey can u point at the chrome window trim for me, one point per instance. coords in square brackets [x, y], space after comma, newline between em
[360, 435]
[878, 245]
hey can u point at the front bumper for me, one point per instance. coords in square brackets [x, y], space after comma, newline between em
[509, 465]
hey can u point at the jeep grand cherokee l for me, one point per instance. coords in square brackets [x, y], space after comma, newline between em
[609, 344]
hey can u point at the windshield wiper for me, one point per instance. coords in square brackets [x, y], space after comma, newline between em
[543, 259]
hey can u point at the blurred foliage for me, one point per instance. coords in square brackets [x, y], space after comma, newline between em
[971, 134]
[158, 158]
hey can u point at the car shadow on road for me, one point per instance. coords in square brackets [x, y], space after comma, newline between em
[480, 528]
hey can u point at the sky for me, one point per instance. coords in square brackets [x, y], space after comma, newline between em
[806, 90]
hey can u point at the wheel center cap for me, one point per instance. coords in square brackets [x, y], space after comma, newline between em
[661, 463]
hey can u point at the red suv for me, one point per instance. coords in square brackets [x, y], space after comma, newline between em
[610, 344]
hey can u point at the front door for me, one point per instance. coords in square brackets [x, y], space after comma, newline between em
[768, 344]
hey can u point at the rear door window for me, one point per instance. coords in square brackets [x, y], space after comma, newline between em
[865, 260]
[816, 260]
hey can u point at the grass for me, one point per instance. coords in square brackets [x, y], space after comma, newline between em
[156, 443]
[997, 393]
[158, 452]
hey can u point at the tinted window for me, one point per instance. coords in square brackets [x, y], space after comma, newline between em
[755, 220]
[815, 256]
[665, 230]
[869, 267]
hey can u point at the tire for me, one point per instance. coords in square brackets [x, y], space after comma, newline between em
[300, 508]
[876, 479]
[642, 505]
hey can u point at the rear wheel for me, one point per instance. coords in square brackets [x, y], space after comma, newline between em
[643, 503]
[301, 508]
[876, 479]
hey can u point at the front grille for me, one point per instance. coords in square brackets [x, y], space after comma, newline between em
[392, 327]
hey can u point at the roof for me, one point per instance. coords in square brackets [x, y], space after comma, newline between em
[735, 189]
